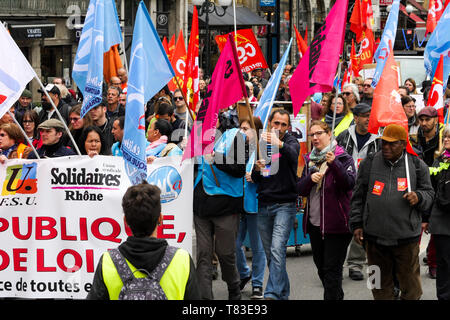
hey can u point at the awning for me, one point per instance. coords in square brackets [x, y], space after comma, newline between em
[244, 17]
[418, 20]
[31, 29]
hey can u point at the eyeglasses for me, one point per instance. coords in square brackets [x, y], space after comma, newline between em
[316, 134]
[366, 85]
[74, 119]
[346, 93]
[177, 98]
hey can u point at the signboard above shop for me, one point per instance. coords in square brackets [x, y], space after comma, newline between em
[31, 30]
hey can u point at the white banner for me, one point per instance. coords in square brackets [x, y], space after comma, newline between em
[57, 217]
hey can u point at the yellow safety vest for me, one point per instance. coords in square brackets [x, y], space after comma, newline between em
[173, 282]
[344, 124]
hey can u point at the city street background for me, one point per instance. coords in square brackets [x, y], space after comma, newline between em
[306, 285]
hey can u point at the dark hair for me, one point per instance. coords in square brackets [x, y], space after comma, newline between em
[33, 115]
[165, 108]
[164, 127]
[281, 112]
[406, 88]
[141, 205]
[121, 121]
[256, 121]
[330, 102]
[84, 134]
[406, 99]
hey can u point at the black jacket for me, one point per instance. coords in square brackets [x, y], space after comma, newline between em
[142, 253]
[280, 187]
[64, 110]
[53, 151]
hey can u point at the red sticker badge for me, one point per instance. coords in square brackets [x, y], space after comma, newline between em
[402, 184]
[378, 188]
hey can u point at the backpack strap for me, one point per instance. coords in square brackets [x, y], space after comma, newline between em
[123, 269]
[158, 272]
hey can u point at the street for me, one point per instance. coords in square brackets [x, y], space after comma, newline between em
[305, 283]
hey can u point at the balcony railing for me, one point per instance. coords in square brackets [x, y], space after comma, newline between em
[42, 7]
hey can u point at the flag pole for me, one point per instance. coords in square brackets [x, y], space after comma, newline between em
[24, 134]
[59, 115]
[335, 104]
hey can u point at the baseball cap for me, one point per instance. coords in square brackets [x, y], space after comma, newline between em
[394, 132]
[51, 88]
[428, 111]
[51, 123]
[361, 108]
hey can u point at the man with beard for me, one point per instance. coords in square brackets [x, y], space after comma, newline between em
[48, 112]
[429, 134]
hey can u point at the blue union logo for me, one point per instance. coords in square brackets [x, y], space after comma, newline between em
[168, 180]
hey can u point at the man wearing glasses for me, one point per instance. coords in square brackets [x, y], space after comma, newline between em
[367, 96]
[181, 108]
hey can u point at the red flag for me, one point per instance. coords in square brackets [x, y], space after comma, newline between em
[365, 54]
[249, 53]
[435, 10]
[387, 105]
[171, 48]
[226, 88]
[435, 97]
[367, 14]
[301, 44]
[111, 63]
[165, 46]
[179, 64]
[356, 23]
[354, 61]
[191, 78]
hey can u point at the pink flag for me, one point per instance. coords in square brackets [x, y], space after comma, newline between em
[226, 88]
[317, 68]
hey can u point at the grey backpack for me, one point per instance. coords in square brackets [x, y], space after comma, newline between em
[147, 288]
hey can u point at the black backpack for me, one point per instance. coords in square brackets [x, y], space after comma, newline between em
[443, 191]
[147, 288]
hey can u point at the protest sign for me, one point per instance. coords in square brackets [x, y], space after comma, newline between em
[57, 217]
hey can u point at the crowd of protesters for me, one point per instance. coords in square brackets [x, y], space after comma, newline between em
[360, 207]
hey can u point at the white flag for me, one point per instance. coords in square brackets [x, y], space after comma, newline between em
[15, 71]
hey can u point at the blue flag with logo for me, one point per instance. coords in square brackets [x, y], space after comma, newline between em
[150, 70]
[101, 30]
[389, 32]
[439, 43]
[266, 102]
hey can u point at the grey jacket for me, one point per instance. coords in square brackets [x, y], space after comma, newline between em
[377, 204]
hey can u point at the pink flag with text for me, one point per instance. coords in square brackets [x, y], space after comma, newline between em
[226, 88]
[317, 69]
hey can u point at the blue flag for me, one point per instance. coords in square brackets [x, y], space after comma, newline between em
[389, 32]
[439, 43]
[101, 30]
[266, 102]
[150, 70]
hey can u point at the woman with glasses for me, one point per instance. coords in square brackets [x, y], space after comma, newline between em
[439, 223]
[30, 122]
[327, 181]
[409, 106]
[344, 116]
[76, 126]
[12, 144]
